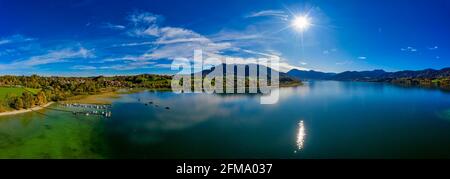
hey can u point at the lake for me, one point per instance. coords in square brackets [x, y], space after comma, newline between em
[322, 119]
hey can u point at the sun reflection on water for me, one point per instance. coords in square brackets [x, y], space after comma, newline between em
[301, 135]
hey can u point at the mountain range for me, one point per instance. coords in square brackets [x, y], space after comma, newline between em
[374, 75]
[284, 78]
[428, 77]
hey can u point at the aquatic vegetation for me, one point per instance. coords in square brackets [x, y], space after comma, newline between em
[57, 135]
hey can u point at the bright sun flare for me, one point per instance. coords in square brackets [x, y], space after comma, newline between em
[301, 23]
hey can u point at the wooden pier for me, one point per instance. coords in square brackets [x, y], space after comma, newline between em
[89, 109]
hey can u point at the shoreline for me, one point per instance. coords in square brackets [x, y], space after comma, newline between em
[21, 111]
[99, 99]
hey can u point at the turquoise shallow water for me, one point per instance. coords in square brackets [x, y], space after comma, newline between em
[323, 119]
[52, 134]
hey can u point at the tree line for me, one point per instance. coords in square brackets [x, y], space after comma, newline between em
[26, 100]
[442, 83]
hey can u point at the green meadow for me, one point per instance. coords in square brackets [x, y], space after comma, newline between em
[4, 91]
[17, 91]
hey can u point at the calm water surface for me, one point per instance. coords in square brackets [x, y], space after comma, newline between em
[323, 119]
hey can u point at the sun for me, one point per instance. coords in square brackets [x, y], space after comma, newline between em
[301, 23]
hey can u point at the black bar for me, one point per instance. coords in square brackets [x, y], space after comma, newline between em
[150, 168]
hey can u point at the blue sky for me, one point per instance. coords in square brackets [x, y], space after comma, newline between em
[88, 37]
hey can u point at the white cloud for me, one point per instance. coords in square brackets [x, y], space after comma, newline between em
[328, 51]
[144, 24]
[268, 55]
[7, 52]
[171, 35]
[84, 67]
[4, 41]
[409, 49]
[14, 39]
[145, 18]
[174, 42]
[362, 58]
[114, 26]
[134, 44]
[269, 13]
[51, 57]
[227, 36]
[433, 48]
[285, 67]
[162, 65]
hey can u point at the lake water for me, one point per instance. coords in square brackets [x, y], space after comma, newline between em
[322, 119]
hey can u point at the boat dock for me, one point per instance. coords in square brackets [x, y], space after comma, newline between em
[93, 113]
[89, 106]
[89, 109]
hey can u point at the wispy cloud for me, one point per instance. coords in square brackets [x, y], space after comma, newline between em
[145, 42]
[269, 13]
[139, 18]
[328, 51]
[433, 48]
[14, 39]
[83, 67]
[121, 67]
[113, 26]
[134, 44]
[227, 36]
[174, 42]
[58, 56]
[409, 49]
[4, 41]
[171, 42]
[7, 51]
[172, 35]
[143, 24]
[166, 43]
[362, 58]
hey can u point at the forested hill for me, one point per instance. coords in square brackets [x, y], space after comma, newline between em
[284, 78]
[427, 77]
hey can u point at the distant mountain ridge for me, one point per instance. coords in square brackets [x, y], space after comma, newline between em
[428, 77]
[374, 75]
[310, 75]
